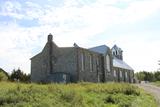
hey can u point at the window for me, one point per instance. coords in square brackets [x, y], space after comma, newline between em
[115, 73]
[82, 61]
[108, 63]
[97, 61]
[116, 52]
[90, 63]
[113, 53]
[121, 74]
[126, 74]
[64, 77]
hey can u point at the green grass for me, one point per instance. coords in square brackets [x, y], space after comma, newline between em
[73, 95]
[157, 83]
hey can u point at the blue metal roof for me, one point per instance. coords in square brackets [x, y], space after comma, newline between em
[121, 64]
[100, 49]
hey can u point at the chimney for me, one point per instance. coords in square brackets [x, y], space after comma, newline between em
[50, 37]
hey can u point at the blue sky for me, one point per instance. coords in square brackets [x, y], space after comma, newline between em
[131, 24]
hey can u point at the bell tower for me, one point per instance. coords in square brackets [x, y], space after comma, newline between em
[117, 52]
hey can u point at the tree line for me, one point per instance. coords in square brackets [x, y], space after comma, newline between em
[148, 76]
[16, 75]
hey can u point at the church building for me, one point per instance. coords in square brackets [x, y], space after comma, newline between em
[74, 64]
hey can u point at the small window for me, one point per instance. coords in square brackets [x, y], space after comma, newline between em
[113, 53]
[64, 77]
[116, 52]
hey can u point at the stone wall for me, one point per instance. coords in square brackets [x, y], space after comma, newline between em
[127, 75]
[40, 66]
[92, 71]
[66, 63]
[55, 64]
[108, 74]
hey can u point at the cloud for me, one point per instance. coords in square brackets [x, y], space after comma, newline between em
[11, 9]
[69, 21]
[140, 10]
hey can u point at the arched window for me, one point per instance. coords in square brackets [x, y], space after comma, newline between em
[126, 74]
[121, 74]
[82, 61]
[114, 73]
[108, 62]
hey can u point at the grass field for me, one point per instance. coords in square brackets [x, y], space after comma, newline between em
[157, 83]
[73, 95]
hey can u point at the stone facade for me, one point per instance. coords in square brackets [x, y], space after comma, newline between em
[73, 64]
[122, 71]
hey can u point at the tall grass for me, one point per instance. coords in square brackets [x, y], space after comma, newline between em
[72, 95]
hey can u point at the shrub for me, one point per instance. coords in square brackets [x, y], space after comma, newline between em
[3, 77]
[71, 95]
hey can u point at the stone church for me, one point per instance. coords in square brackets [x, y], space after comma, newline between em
[74, 64]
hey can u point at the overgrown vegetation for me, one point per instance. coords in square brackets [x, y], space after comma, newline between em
[73, 95]
[19, 75]
[16, 75]
[3, 75]
[148, 76]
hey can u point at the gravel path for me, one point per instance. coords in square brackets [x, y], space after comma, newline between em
[154, 90]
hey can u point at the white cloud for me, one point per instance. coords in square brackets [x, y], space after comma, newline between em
[139, 10]
[11, 9]
[75, 21]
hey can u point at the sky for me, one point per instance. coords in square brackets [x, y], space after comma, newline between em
[134, 25]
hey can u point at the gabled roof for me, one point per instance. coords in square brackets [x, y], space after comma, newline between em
[100, 49]
[121, 64]
[116, 47]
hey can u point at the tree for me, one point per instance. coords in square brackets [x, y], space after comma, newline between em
[3, 75]
[157, 75]
[140, 76]
[145, 76]
[18, 75]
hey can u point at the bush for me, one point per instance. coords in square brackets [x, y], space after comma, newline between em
[19, 75]
[71, 95]
[3, 77]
